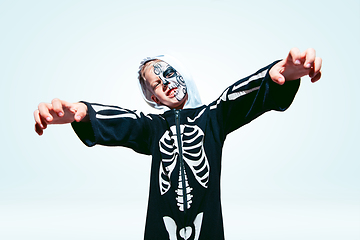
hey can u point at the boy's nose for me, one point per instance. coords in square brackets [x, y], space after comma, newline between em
[165, 86]
[165, 82]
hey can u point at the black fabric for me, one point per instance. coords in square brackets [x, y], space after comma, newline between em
[203, 131]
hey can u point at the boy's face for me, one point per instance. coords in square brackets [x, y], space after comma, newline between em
[167, 85]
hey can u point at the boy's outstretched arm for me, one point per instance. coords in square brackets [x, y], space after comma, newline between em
[58, 112]
[297, 65]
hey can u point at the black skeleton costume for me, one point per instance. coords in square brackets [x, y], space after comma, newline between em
[186, 146]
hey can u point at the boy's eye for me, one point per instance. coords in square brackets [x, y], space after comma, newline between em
[170, 75]
[157, 83]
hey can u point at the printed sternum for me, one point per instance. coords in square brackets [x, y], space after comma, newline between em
[184, 197]
[181, 160]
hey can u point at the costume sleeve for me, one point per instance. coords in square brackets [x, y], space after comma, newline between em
[114, 126]
[250, 97]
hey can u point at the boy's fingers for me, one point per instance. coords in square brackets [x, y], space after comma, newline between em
[38, 129]
[309, 57]
[79, 116]
[295, 56]
[66, 104]
[57, 107]
[317, 65]
[315, 72]
[37, 118]
[275, 73]
[279, 79]
[40, 125]
[316, 77]
[80, 113]
[44, 111]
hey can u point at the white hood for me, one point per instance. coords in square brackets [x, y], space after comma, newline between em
[193, 100]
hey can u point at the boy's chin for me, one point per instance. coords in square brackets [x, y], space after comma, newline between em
[178, 104]
[173, 103]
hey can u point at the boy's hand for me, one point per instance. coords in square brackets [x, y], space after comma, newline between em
[58, 112]
[297, 65]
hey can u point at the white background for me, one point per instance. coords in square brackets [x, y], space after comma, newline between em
[291, 175]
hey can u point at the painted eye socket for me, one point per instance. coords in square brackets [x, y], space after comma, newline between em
[169, 72]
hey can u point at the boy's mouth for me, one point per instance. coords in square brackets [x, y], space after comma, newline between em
[171, 92]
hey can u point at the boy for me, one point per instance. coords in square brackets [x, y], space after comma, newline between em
[186, 140]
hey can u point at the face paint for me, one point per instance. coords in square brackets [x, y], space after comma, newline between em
[170, 77]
